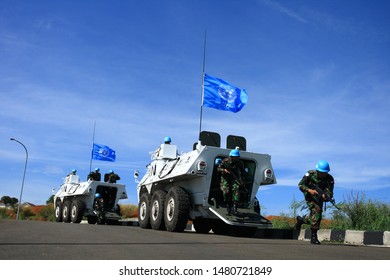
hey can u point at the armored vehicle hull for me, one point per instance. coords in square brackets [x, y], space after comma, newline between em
[75, 200]
[177, 188]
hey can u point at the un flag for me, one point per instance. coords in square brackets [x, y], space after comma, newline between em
[221, 95]
[102, 152]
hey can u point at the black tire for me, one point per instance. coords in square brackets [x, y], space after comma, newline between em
[256, 206]
[176, 209]
[202, 225]
[220, 227]
[118, 210]
[101, 221]
[76, 211]
[58, 211]
[66, 211]
[144, 211]
[157, 210]
[92, 220]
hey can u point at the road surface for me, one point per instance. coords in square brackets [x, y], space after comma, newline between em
[35, 240]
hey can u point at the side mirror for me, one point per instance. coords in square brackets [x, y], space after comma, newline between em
[136, 175]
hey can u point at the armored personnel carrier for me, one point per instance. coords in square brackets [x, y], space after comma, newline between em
[177, 188]
[75, 200]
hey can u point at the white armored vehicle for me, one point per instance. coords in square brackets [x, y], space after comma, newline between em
[75, 200]
[177, 188]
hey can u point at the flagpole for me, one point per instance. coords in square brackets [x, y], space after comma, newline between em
[202, 91]
[93, 143]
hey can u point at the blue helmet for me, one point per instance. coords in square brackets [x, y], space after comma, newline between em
[74, 170]
[97, 169]
[111, 171]
[234, 153]
[167, 140]
[97, 195]
[323, 166]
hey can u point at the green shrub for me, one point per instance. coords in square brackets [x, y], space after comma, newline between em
[26, 213]
[46, 213]
[3, 213]
[357, 213]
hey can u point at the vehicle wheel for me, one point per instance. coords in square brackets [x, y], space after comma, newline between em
[157, 210]
[101, 221]
[256, 206]
[202, 225]
[76, 211]
[118, 210]
[92, 220]
[143, 211]
[58, 211]
[176, 209]
[220, 227]
[66, 211]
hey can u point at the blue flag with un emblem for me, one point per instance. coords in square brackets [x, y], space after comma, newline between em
[102, 152]
[221, 95]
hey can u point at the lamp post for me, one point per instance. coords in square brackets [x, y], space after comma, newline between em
[24, 175]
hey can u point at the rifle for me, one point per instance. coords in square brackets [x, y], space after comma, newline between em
[321, 193]
[239, 181]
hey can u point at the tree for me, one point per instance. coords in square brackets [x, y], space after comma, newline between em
[50, 200]
[295, 206]
[9, 200]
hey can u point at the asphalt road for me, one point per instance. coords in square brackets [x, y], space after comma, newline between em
[33, 240]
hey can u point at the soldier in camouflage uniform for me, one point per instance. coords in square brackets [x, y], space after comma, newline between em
[111, 177]
[99, 209]
[232, 172]
[95, 176]
[315, 178]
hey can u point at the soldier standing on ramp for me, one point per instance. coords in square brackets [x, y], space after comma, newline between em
[232, 170]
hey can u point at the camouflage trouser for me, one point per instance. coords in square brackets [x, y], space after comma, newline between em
[315, 216]
[100, 212]
[230, 191]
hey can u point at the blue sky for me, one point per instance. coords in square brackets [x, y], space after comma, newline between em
[317, 75]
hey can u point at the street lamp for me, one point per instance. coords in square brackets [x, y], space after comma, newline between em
[24, 175]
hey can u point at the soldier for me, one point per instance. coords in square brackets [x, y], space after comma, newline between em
[68, 177]
[158, 151]
[98, 206]
[167, 140]
[318, 178]
[74, 172]
[232, 172]
[95, 176]
[111, 177]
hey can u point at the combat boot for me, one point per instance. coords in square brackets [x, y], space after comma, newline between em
[299, 223]
[228, 208]
[314, 238]
[234, 209]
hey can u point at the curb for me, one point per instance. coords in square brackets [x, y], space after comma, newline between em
[350, 237]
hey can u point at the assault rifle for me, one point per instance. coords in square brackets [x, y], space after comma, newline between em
[322, 194]
[239, 181]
